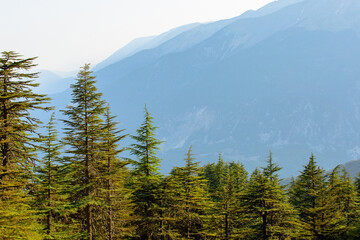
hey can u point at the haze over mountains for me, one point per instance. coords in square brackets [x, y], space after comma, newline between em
[285, 78]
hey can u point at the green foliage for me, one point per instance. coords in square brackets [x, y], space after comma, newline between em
[266, 206]
[311, 197]
[51, 187]
[228, 184]
[271, 169]
[344, 202]
[99, 200]
[147, 179]
[18, 140]
[145, 149]
[90, 193]
[114, 196]
[193, 204]
[83, 130]
[170, 203]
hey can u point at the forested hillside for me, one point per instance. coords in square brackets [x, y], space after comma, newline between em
[80, 187]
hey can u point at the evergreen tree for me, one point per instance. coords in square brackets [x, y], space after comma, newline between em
[310, 196]
[147, 179]
[17, 144]
[83, 130]
[357, 184]
[343, 199]
[50, 197]
[271, 169]
[170, 203]
[210, 175]
[265, 201]
[229, 220]
[193, 201]
[115, 196]
[356, 231]
[220, 177]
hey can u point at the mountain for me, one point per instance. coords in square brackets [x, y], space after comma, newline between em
[284, 77]
[143, 43]
[353, 167]
[269, 8]
[190, 35]
[51, 83]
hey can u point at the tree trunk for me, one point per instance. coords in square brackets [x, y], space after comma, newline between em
[226, 227]
[4, 137]
[263, 227]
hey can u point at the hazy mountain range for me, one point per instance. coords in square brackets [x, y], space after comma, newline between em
[284, 77]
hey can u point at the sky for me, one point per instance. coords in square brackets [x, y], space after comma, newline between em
[66, 34]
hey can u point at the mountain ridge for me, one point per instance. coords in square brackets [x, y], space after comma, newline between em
[250, 84]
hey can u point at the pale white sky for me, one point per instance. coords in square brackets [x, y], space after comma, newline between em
[65, 34]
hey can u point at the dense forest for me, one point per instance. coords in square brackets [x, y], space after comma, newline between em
[78, 186]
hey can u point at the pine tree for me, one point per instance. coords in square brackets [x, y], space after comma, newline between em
[50, 197]
[265, 201]
[147, 179]
[344, 202]
[170, 203]
[220, 177]
[193, 201]
[357, 183]
[210, 175]
[227, 183]
[230, 220]
[83, 138]
[310, 197]
[17, 144]
[114, 194]
[271, 169]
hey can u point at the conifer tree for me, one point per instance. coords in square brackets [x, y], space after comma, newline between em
[194, 203]
[170, 203]
[50, 197]
[17, 142]
[356, 231]
[220, 176]
[210, 175]
[271, 169]
[309, 195]
[83, 138]
[147, 179]
[115, 196]
[357, 183]
[265, 201]
[229, 220]
[344, 202]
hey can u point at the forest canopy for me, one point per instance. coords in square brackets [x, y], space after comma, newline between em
[79, 187]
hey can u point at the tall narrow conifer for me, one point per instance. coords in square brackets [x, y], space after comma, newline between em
[265, 201]
[83, 130]
[309, 195]
[228, 217]
[17, 144]
[343, 204]
[114, 195]
[50, 192]
[194, 203]
[147, 179]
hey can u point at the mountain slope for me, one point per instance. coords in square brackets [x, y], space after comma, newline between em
[144, 43]
[353, 167]
[51, 83]
[283, 78]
